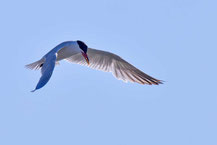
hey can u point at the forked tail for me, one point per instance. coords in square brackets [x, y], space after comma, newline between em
[35, 65]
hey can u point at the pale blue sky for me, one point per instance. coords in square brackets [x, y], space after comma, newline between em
[172, 40]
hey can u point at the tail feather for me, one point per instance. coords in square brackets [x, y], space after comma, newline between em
[35, 65]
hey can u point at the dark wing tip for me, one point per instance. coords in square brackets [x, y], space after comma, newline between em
[155, 82]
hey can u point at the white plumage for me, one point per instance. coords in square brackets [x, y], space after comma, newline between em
[72, 51]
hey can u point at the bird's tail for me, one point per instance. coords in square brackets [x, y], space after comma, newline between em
[35, 65]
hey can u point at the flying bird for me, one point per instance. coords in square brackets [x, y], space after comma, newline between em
[78, 52]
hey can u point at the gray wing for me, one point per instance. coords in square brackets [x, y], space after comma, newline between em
[46, 71]
[109, 62]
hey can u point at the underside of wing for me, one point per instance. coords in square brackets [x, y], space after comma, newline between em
[46, 71]
[109, 62]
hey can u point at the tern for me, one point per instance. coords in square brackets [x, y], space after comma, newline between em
[78, 52]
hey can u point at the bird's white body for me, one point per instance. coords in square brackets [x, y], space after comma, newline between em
[67, 49]
[64, 50]
[101, 60]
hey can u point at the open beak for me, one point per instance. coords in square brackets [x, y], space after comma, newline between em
[86, 57]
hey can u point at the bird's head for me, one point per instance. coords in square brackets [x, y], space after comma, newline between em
[83, 48]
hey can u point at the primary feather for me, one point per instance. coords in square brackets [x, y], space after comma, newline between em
[109, 62]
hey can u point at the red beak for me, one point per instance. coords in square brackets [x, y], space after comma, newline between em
[86, 57]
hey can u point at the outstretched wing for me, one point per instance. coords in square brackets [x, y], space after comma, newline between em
[109, 62]
[46, 71]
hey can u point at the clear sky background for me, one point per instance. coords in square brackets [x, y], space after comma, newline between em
[172, 40]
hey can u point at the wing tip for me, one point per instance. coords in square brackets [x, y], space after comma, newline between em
[33, 90]
[155, 82]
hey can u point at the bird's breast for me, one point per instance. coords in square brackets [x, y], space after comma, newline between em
[66, 52]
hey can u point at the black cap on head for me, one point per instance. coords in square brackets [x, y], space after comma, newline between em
[82, 46]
